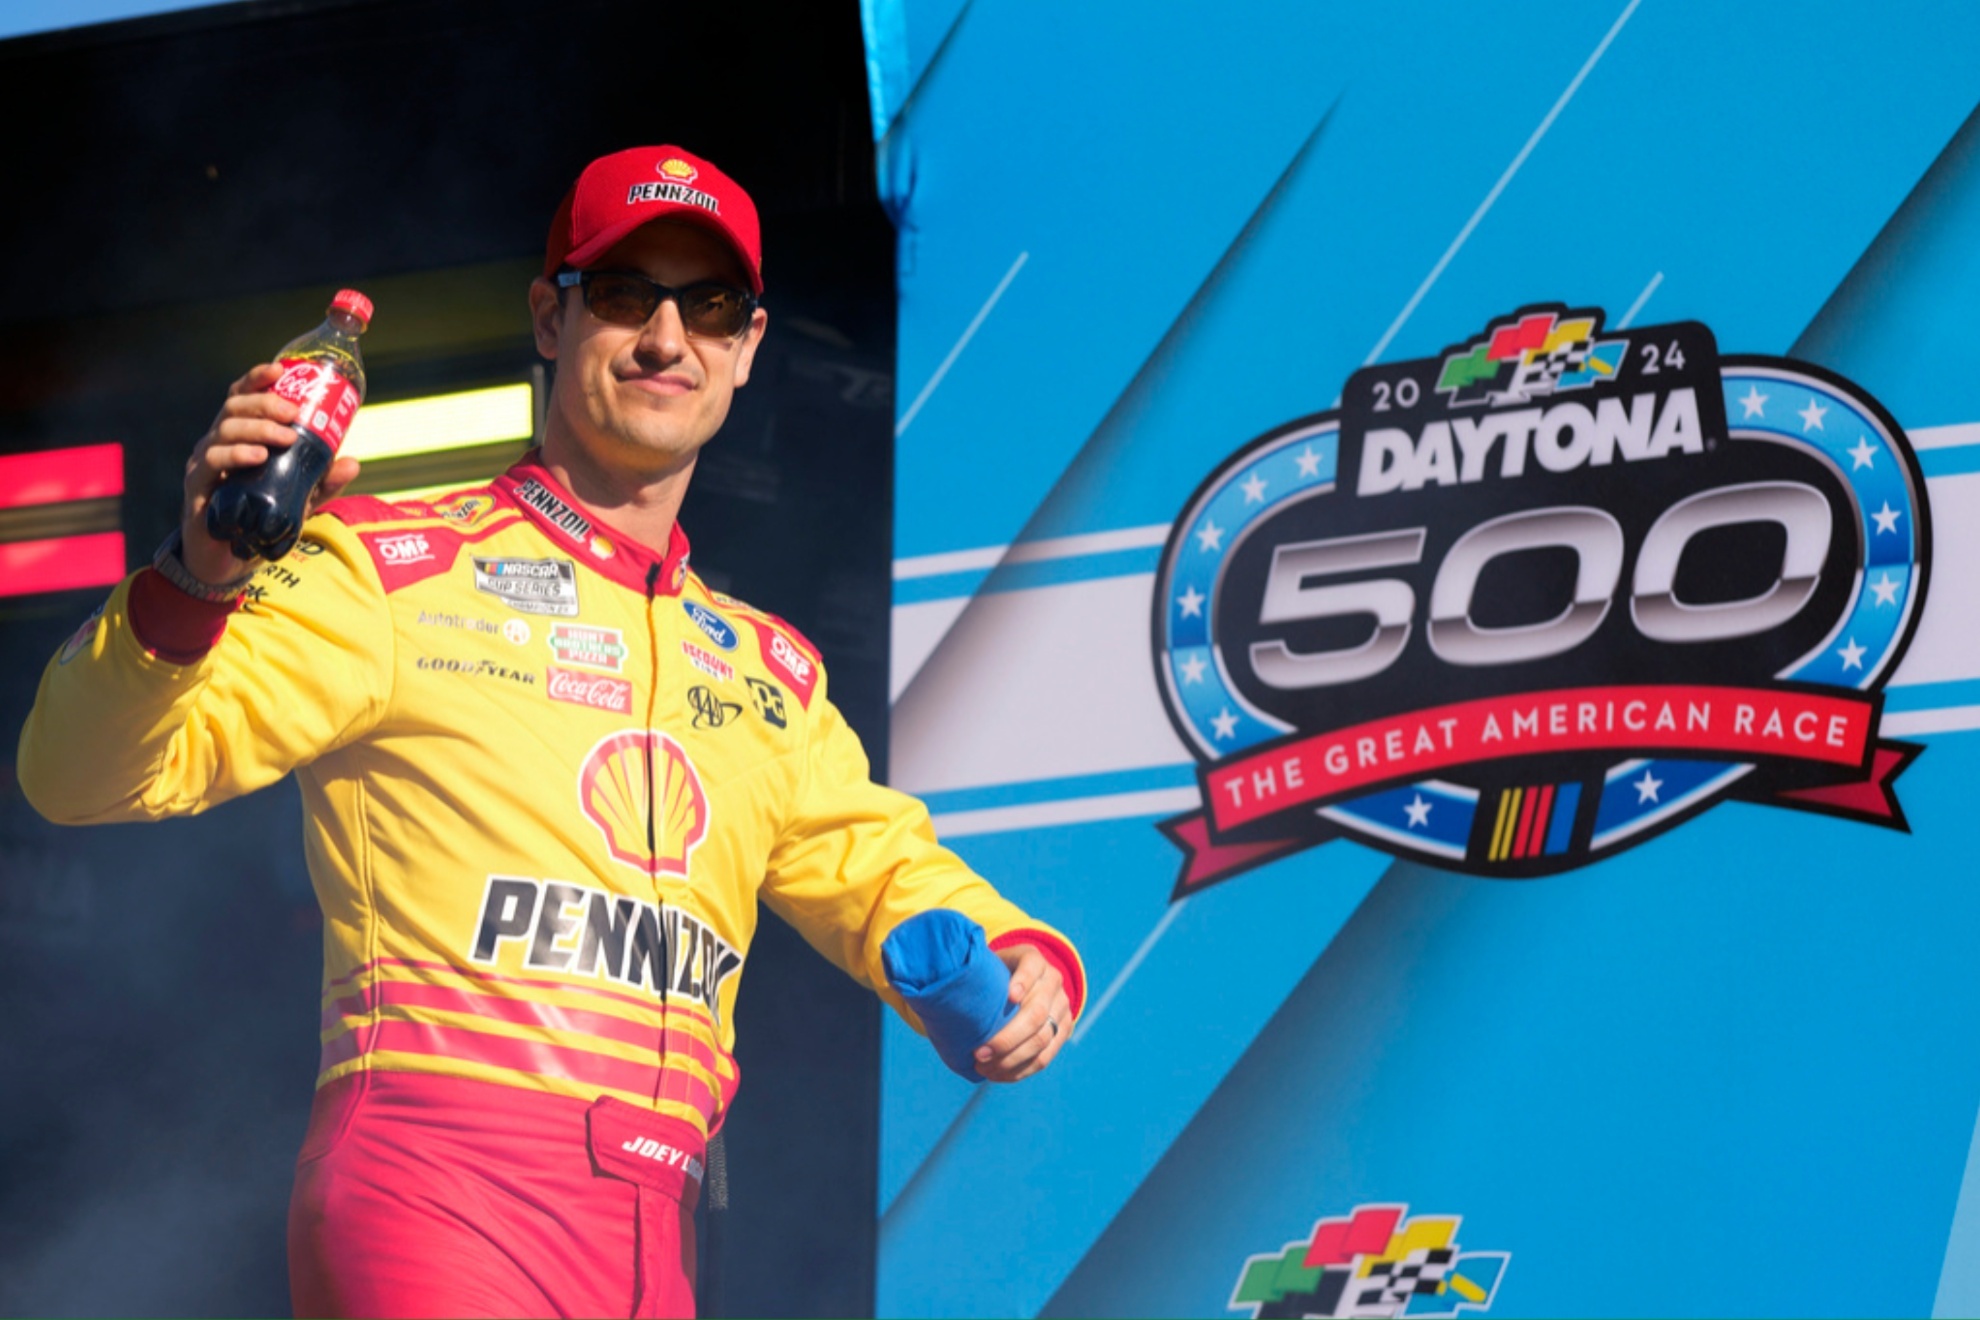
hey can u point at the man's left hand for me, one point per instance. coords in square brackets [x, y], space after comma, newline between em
[1032, 1039]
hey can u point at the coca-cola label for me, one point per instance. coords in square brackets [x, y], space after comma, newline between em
[325, 398]
[594, 690]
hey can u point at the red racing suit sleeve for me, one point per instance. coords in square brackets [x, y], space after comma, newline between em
[122, 730]
[855, 859]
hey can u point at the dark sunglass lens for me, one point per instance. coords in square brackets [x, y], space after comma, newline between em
[715, 310]
[620, 299]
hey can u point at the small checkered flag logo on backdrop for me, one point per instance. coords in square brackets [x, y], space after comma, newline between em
[1375, 1262]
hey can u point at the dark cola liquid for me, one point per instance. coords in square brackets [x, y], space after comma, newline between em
[259, 511]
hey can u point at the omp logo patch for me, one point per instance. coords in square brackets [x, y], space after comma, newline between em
[404, 558]
[1530, 602]
[795, 665]
[404, 548]
[639, 788]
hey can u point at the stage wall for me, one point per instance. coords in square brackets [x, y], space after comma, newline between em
[1316, 427]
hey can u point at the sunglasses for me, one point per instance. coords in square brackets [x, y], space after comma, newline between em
[709, 310]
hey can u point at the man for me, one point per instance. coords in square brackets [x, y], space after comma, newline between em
[547, 774]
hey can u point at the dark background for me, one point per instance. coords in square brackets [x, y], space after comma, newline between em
[185, 193]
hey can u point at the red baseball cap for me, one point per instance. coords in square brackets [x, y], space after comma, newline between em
[618, 193]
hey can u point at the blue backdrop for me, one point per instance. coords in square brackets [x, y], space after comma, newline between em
[1730, 1071]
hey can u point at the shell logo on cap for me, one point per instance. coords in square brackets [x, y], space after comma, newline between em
[613, 793]
[677, 170]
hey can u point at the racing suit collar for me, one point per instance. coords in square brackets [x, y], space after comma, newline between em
[530, 487]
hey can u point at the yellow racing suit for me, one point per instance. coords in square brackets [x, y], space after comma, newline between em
[547, 776]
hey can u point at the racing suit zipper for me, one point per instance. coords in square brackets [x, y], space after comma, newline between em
[652, 841]
[652, 695]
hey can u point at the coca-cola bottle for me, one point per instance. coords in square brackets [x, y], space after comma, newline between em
[259, 511]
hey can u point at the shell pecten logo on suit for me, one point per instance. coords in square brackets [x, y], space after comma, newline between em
[624, 775]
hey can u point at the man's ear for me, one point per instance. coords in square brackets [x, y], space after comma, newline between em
[546, 316]
[746, 355]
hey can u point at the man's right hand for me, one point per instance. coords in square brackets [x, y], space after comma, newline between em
[251, 424]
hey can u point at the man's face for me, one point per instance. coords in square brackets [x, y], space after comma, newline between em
[642, 400]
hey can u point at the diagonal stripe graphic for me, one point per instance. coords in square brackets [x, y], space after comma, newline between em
[1492, 197]
[1106, 431]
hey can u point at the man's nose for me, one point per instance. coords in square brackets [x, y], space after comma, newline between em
[664, 336]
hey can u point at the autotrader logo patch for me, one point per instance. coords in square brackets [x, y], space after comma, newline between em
[1524, 604]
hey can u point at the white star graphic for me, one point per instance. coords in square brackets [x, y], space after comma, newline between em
[1885, 590]
[1309, 462]
[1192, 669]
[1754, 402]
[1885, 518]
[1210, 537]
[1864, 455]
[1191, 602]
[1811, 416]
[1647, 788]
[1254, 489]
[1419, 812]
[1852, 655]
[1226, 723]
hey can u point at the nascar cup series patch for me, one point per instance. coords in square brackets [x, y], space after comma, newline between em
[1525, 604]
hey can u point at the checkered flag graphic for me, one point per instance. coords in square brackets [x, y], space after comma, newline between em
[1561, 360]
[1387, 1287]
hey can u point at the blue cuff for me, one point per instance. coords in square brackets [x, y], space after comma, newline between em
[942, 966]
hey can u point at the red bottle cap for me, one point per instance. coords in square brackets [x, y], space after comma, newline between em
[350, 300]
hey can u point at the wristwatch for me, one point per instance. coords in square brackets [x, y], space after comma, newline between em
[170, 564]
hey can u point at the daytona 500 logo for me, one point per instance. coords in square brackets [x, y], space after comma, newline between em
[1529, 602]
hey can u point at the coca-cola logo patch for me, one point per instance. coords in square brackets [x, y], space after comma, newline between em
[1529, 602]
[594, 690]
